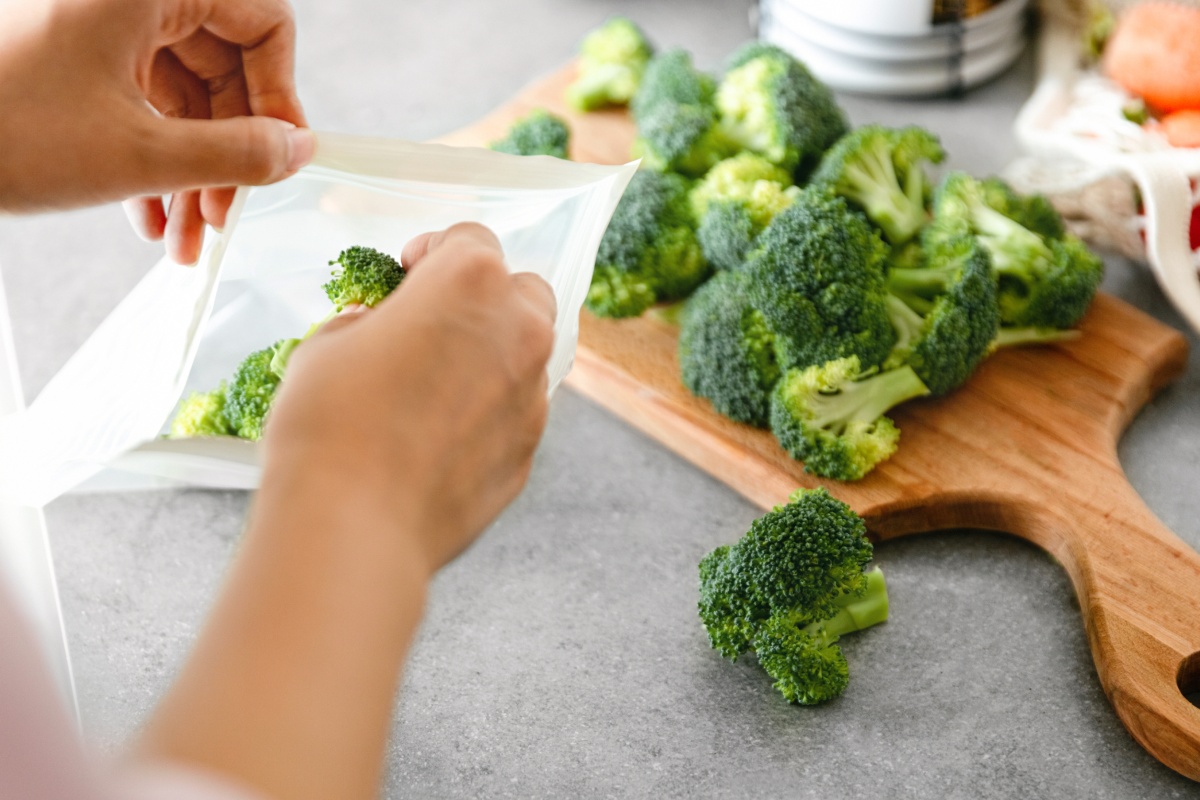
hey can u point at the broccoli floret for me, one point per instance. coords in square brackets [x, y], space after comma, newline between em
[830, 416]
[649, 251]
[959, 314]
[881, 171]
[676, 119]
[726, 351]
[817, 278]
[1033, 211]
[771, 104]
[362, 276]
[612, 59]
[1044, 282]
[734, 202]
[201, 414]
[789, 588]
[249, 395]
[539, 133]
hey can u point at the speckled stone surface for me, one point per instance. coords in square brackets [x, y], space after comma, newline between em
[562, 656]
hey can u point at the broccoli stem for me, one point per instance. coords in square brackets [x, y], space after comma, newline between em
[920, 282]
[858, 612]
[907, 324]
[1015, 250]
[1013, 337]
[874, 186]
[866, 400]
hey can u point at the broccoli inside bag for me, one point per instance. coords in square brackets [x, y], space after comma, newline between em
[99, 423]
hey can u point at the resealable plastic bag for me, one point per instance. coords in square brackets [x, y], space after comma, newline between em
[98, 424]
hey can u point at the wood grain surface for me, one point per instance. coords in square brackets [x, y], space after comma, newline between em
[1027, 446]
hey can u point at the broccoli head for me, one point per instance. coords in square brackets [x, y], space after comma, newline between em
[817, 278]
[830, 416]
[726, 351]
[1044, 282]
[649, 252]
[789, 588]
[612, 59]
[734, 203]
[201, 414]
[958, 318]
[249, 395]
[362, 276]
[539, 133]
[1033, 211]
[880, 170]
[771, 104]
[676, 119]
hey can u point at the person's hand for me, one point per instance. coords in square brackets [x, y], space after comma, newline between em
[425, 410]
[113, 99]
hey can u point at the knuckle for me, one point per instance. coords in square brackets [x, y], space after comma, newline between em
[256, 143]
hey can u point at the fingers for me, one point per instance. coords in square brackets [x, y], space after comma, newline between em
[534, 290]
[187, 153]
[348, 316]
[184, 232]
[463, 233]
[147, 216]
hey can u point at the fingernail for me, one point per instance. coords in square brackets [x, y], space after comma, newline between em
[301, 147]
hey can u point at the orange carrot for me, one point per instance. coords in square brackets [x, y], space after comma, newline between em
[1182, 128]
[1155, 53]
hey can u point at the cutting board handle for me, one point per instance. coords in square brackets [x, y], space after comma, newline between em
[1139, 590]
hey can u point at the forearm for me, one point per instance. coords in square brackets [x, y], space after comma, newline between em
[290, 688]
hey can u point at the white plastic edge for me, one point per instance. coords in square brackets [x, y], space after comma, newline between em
[25, 556]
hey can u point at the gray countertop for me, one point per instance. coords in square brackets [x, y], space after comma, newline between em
[562, 655]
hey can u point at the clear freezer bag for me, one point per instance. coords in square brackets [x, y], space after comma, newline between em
[99, 422]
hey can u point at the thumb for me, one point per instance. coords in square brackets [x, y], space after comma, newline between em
[239, 151]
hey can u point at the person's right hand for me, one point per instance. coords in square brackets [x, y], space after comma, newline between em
[425, 410]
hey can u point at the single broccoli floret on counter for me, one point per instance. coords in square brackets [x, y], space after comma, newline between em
[831, 416]
[726, 351]
[201, 414]
[649, 252]
[249, 395]
[817, 278]
[945, 313]
[789, 588]
[880, 170]
[539, 133]
[1044, 282]
[734, 202]
[771, 104]
[362, 276]
[612, 59]
[676, 119]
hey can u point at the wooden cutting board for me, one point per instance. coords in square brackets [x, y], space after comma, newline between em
[1028, 446]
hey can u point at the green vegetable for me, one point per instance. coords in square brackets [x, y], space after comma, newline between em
[771, 104]
[1044, 281]
[880, 171]
[726, 351]
[649, 252]
[830, 416]
[201, 414]
[789, 588]
[612, 59]
[539, 133]
[734, 202]
[676, 119]
[249, 395]
[956, 314]
[1019, 337]
[362, 276]
[817, 278]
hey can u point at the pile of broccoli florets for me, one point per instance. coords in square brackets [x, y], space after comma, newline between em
[362, 276]
[787, 591]
[833, 276]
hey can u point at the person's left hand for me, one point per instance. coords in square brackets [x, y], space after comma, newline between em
[112, 99]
